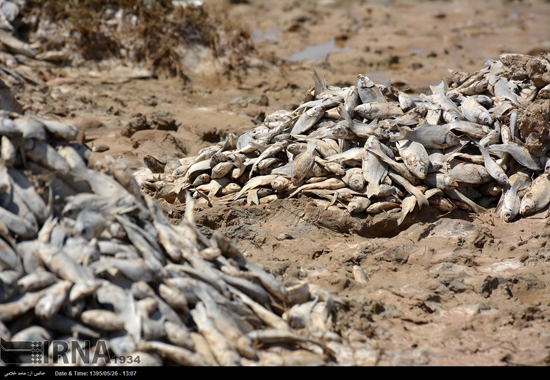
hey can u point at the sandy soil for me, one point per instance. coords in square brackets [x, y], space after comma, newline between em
[456, 289]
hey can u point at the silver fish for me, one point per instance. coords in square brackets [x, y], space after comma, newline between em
[307, 120]
[414, 156]
[475, 112]
[493, 168]
[520, 154]
[368, 91]
[303, 163]
[374, 170]
[537, 197]
[378, 110]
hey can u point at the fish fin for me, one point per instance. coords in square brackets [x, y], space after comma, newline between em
[372, 189]
[440, 88]
[344, 113]
[257, 146]
[252, 197]
[320, 86]
[189, 215]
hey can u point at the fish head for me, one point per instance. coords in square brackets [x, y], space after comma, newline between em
[295, 148]
[382, 133]
[280, 183]
[232, 187]
[487, 120]
[507, 214]
[357, 182]
[346, 198]
[527, 206]
[446, 205]
[420, 170]
[315, 111]
[502, 179]
[353, 207]
[341, 131]
[362, 81]
[452, 139]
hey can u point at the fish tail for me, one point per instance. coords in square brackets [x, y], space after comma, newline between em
[401, 134]
[311, 145]
[372, 189]
[320, 86]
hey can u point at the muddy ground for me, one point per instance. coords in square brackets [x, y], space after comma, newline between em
[455, 289]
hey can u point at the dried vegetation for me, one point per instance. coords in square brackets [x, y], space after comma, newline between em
[155, 33]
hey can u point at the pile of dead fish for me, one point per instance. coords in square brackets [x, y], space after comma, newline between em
[476, 141]
[88, 260]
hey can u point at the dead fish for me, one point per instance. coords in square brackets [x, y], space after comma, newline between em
[256, 182]
[122, 173]
[353, 154]
[471, 129]
[45, 155]
[376, 148]
[378, 207]
[358, 205]
[414, 156]
[303, 163]
[8, 129]
[352, 99]
[464, 199]
[501, 90]
[280, 183]
[407, 206]
[35, 281]
[469, 173]
[511, 202]
[354, 179]
[374, 170]
[178, 355]
[19, 306]
[322, 90]
[222, 169]
[420, 197]
[368, 91]
[102, 320]
[378, 110]
[475, 112]
[331, 184]
[441, 181]
[53, 299]
[90, 224]
[520, 154]
[307, 120]
[537, 197]
[493, 168]
[406, 102]
[430, 136]
[31, 128]
[332, 167]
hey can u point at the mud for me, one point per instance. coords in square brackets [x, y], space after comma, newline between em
[443, 289]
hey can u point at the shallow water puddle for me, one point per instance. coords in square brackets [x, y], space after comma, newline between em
[317, 52]
[269, 34]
